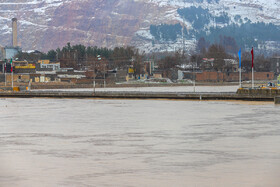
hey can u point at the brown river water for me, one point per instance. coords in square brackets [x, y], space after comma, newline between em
[84, 142]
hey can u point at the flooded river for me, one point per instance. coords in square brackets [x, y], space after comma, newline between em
[75, 142]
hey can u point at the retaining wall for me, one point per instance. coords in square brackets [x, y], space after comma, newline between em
[265, 92]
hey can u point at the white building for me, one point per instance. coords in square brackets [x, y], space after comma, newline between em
[54, 67]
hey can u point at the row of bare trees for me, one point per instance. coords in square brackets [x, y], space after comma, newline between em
[79, 57]
[219, 54]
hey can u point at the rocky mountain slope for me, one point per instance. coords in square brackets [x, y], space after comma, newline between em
[48, 24]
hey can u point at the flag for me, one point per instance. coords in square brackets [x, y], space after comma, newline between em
[252, 52]
[11, 62]
[239, 54]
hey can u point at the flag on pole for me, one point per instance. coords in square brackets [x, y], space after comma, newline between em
[11, 62]
[252, 52]
[239, 54]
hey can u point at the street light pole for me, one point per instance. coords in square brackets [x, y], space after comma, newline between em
[94, 77]
[5, 72]
[193, 79]
[98, 58]
[12, 73]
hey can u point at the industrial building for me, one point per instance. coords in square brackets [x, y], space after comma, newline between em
[9, 52]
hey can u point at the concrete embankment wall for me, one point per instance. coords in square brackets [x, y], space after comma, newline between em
[241, 94]
[139, 95]
[277, 100]
[267, 92]
[264, 92]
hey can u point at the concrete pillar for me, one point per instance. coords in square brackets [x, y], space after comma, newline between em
[14, 27]
[277, 100]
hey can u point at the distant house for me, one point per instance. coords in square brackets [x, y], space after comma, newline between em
[53, 66]
[70, 75]
[207, 63]
[46, 65]
[231, 65]
[157, 74]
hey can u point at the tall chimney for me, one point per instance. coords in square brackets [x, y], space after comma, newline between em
[14, 25]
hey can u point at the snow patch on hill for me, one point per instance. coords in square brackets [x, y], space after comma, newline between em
[43, 19]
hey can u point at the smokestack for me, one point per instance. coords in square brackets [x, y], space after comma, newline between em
[14, 26]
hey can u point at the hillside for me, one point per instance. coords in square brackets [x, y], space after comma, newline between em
[48, 24]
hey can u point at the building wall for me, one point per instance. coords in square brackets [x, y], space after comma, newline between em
[158, 75]
[259, 76]
[10, 52]
[50, 66]
[30, 68]
[210, 77]
[18, 77]
[44, 61]
[232, 77]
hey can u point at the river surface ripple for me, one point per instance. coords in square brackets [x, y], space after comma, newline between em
[83, 142]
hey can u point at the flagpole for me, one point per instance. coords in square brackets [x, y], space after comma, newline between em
[12, 74]
[5, 74]
[252, 77]
[12, 80]
[252, 52]
[240, 84]
[240, 69]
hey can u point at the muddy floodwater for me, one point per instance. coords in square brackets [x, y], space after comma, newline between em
[81, 142]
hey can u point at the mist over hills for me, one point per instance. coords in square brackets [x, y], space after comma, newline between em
[151, 25]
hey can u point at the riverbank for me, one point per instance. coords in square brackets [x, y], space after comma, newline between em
[138, 95]
[66, 85]
[174, 92]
